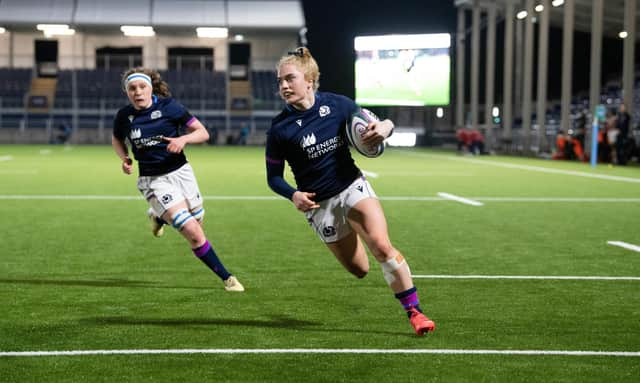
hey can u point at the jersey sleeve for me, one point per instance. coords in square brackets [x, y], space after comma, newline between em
[177, 112]
[274, 158]
[120, 126]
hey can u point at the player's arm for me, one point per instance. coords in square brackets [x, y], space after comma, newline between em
[122, 151]
[378, 132]
[196, 134]
[275, 179]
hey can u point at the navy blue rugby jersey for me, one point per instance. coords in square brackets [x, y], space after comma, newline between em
[145, 129]
[315, 145]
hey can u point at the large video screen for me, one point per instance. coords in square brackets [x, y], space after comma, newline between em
[403, 69]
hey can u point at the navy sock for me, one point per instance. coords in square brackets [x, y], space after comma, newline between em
[208, 256]
[160, 221]
[409, 299]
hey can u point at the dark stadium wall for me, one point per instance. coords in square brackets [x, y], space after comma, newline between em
[333, 24]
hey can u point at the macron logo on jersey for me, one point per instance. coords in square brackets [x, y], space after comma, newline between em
[308, 141]
[299, 122]
[135, 133]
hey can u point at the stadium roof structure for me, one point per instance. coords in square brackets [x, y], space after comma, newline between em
[87, 14]
[613, 14]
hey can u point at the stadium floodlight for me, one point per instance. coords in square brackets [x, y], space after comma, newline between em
[211, 32]
[521, 15]
[623, 34]
[137, 30]
[238, 37]
[539, 8]
[557, 3]
[439, 112]
[2, 30]
[55, 29]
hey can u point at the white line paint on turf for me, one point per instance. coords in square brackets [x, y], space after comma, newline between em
[555, 199]
[126, 197]
[18, 171]
[6, 158]
[624, 245]
[277, 198]
[530, 167]
[370, 174]
[551, 277]
[459, 199]
[320, 351]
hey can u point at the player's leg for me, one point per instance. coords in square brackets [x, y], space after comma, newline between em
[191, 229]
[368, 220]
[185, 179]
[157, 223]
[351, 254]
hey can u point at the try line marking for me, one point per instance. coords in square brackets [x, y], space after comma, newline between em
[459, 199]
[624, 245]
[440, 198]
[319, 351]
[552, 277]
[530, 167]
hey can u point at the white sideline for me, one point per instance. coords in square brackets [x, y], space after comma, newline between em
[6, 158]
[370, 174]
[552, 277]
[528, 167]
[459, 199]
[319, 351]
[624, 245]
[278, 198]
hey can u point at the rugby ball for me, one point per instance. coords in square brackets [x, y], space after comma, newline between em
[356, 127]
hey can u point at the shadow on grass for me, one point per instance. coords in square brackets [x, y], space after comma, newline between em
[280, 322]
[274, 322]
[93, 283]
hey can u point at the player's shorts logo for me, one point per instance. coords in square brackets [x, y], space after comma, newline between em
[166, 199]
[329, 231]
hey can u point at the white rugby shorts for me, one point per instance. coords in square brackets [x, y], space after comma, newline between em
[167, 190]
[330, 220]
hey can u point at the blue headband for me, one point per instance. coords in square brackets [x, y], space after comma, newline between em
[137, 76]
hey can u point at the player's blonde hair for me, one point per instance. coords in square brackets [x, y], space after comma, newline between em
[160, 87]
[301, 57]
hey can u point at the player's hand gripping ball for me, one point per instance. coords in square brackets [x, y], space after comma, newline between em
[357, 126]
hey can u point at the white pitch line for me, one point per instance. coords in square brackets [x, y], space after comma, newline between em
[370, 174]
[556, 199]
[319, 351]
[277, 198]
[459, 199]
[126, 197]
[529, 167]
[548, 277]
[6, 158]
[624, 245]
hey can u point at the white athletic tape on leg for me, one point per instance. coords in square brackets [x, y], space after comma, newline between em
[198, 213]
[180, 219]
[390, 266]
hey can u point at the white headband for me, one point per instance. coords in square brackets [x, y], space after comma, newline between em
[137, 76]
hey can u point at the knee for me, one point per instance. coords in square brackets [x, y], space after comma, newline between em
[381, 249]
[192, 231]
[359, 271]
